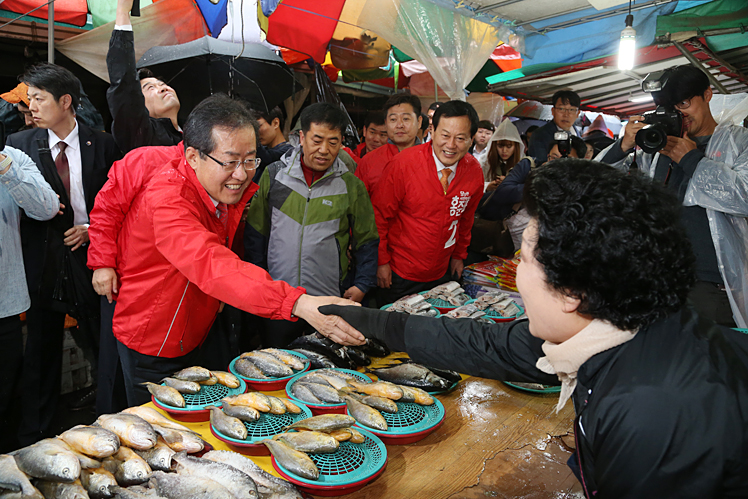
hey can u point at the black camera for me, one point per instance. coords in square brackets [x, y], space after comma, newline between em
[563, 141]
[660, 123]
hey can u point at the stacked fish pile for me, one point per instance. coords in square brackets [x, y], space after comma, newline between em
[229, 418]
[325, 353]
[450, 292]
[413, 305]
[189, 381]
[117, 456]
[268, 363]
[364, 400]
[318, 434]
[469, 311]
[499, 302]
[411, 374]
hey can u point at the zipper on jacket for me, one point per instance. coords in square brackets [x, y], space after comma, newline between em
[172, 321]
[301, 239]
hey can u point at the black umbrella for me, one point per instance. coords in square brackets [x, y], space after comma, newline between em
[206, 66]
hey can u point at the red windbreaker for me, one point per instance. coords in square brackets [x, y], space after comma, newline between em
[126, 179]
[421, 228]
[176, 266]
[372, 166]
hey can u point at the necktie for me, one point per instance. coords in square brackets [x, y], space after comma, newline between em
[446, 172]
[63, 167]
[223, 214]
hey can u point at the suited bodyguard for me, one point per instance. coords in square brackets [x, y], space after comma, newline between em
[75, 160]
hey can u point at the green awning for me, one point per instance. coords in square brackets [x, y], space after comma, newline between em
[717, 14]
[527, 71]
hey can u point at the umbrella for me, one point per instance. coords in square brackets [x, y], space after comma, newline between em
[206, 66]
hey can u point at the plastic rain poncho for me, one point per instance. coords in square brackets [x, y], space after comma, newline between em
[505, 131]
[720, 185]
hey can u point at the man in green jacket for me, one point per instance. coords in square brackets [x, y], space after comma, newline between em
[307, 213]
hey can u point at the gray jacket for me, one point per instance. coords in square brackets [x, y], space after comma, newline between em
[22, 187]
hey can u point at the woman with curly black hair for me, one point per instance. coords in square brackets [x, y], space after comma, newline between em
[661, 394]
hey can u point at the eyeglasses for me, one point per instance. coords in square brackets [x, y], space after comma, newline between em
[229, 166]
[684, 104]
[566, 110]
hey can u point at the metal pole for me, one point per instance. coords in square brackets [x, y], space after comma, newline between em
[693, 60]
[51, 32]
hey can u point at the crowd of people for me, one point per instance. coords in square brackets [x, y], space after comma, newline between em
[163, 237]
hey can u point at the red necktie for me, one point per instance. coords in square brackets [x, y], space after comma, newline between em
[223, 214]
[63, 167]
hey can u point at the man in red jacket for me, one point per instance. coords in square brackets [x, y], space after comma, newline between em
[174, 259]
[425, 204]
[403, 120]
[375, 134]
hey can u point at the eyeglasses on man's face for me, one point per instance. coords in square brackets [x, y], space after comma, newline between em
[684, 104]
[566, 110]
[249, 164]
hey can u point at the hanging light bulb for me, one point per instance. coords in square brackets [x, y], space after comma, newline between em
[627, 48]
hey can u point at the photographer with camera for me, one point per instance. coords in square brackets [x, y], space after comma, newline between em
[706, 166]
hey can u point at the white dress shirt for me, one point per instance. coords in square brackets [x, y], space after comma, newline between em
[73, 152]
[440, 166]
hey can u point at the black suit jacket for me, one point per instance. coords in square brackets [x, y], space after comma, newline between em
[98, 152]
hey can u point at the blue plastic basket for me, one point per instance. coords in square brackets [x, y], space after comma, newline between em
[266, 427]
[492, 314]
[364, 379]
[547, 389]
[350, 465]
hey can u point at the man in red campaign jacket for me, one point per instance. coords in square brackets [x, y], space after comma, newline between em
[425, 204]
[174, 261]
[403, 120]
[375, 134]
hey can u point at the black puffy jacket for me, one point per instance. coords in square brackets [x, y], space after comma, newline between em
[663, 415]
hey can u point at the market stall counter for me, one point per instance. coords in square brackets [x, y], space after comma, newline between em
[495, 440]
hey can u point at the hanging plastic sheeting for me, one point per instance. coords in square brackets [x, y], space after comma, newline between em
[453, 47]
[104, 11]
[324, 92]
[488, 105]
[353, 47]
[730, 109]
[155, 26]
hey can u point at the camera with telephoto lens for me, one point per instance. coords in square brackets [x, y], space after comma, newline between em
[661, 122]
[563, 141]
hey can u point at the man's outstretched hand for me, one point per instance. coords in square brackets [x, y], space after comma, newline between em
[332, 326]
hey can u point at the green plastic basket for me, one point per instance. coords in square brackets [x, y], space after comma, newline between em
[194, 409]
[266, 427]
[547, 389]
[364, 379]
[438, 304]
[350, 465]
[410, 419]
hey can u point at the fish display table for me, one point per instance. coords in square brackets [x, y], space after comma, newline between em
[495, 441]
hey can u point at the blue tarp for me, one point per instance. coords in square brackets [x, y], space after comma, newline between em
[214, 14]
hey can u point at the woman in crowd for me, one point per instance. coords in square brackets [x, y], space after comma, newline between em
[504, 151]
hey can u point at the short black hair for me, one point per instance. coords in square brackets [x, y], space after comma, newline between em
[56, 80]
[612, 239]
[487, 125]
[216, 111]
[683, 82]
[269, 116]
[456, 108]
[531, 129]
[567, 97]
[576, 143]
[435, 105]
[375, 118]
[425, 122]
[398, 99]
[323, 113]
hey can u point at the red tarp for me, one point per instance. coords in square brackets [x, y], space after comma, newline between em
[66, 11]
[305, 26]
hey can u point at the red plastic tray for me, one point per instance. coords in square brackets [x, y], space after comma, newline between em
[247, 449]
[185, 416]
[329, 491]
